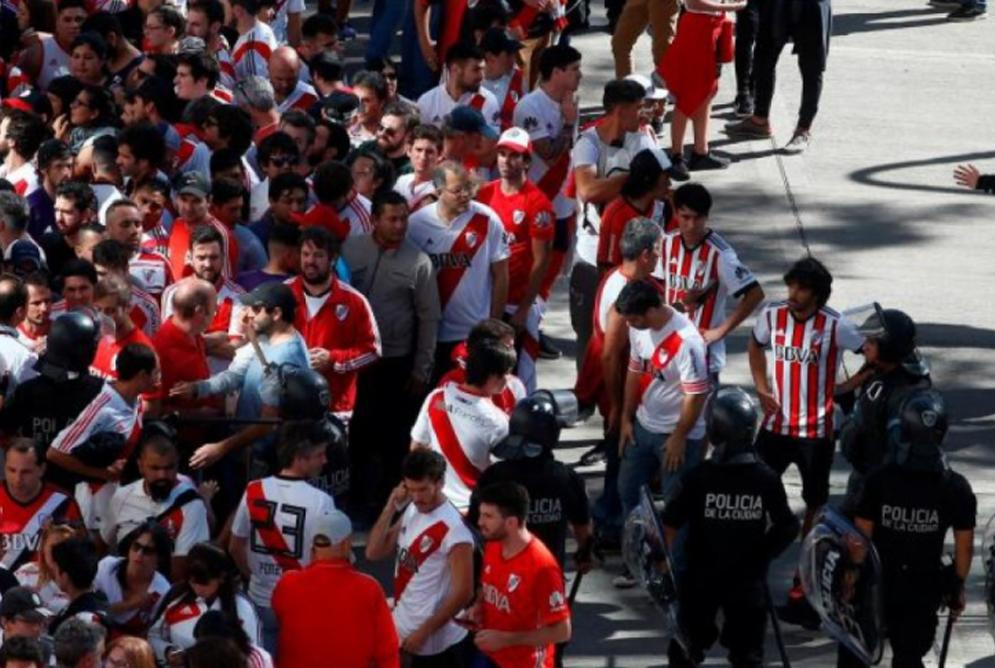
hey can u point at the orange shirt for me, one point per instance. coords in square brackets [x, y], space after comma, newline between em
[354, 629]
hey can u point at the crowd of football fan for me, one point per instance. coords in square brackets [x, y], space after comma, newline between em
[251, 303]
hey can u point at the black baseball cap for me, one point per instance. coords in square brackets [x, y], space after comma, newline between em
[273, 294]
[192, 183]
[469, 120]
[497, 40]
[24, 603]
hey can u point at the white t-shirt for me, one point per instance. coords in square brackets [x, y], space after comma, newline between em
[279, 529]
[539, 115]
[174, 626]
[252, 51]
[283, 8]
[108, 583]
[675, 357]
[24, 179]
[51, 596]
[357, 211]
[464, 428]
[462, 254]
[422, 579]
[415, 194]
[591, 151]
[131, 506]
[16, 360]
[435, 104]
[712, 266]
[259, 199]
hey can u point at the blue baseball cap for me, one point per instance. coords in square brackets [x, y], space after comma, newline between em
[469, 120]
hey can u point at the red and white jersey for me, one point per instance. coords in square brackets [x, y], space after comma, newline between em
[357, 212]
[151, 271]
[174, 626]
[222, 54]
[672, 360]
[134, 621]
[435, 104]
[523, 593]
[507, 90]
[156, 241]
[24, 178]
[302, 98]
[54, 63]
[803, 358]
[527, 216]
[281, 10]
[275, 515]
[539, 115]
[228, 317]
[21, 524]
[417, 194]
[513, 392]
[145, 311]
[104, 364]
[107, 412]
[714, 269]
[462, 253]
[422, 579]
[464, 427]
[192, 156]
[131, 505]
[34, 342]
[222, 94]
[252, 51]
[607, 295]
[18, 83]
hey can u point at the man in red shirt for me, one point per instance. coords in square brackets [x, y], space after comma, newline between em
[522, 611]
[193, 206]
[527, 216]
[359, 633]
[334, 318]
[328, 182]
[112, 297]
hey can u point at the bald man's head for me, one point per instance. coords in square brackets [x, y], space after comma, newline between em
[284, 68]
[195, 302]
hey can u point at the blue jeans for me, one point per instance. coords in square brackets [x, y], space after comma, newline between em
[268, 628]
[386, 15]
[977, 4]
[607, 509]
[643, 460]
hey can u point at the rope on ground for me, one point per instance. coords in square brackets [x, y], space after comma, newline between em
[791, 197]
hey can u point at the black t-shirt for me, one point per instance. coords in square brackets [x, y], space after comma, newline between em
[57, 252]
[556, 496]
[911, 511]
[89, 606]
[727, 509]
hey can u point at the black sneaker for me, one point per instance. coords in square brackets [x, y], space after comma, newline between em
[747, 128]
[702, 162]
[743, 106]
[967, 14]
[547, 350]
[799, 612]
[679, 168]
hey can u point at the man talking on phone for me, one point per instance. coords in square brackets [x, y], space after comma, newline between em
[433, 576]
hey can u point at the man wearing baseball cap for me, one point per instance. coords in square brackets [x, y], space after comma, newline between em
[22, 613]
[502, 76]
[527, 216]
[193, 203]
[360, 633]
[466, 136]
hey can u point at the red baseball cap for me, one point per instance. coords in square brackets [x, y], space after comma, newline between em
[515, 139]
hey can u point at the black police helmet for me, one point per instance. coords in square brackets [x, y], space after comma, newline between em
[304, 393]
[532, 430]
[917, 429]
[731, 423]
[894, 331]
[329, 429]
[72, 341]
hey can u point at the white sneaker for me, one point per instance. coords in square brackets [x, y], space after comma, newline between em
[799, 142]
[625, 580]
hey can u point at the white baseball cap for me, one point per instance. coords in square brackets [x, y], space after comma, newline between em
[652, 92]
[333, 525]
[515, 139]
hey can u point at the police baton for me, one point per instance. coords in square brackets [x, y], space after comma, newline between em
[946, 639]
[574, 586]
[776, 624]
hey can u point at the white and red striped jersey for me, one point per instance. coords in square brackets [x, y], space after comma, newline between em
[422, 579]
[107, 412]
[464, 427]
[282, 9]
[803, 358]
[357, 211]
[672, 360]
[222, 94]
[275, 515]
[192, 156]
[24, 178]
[435, 104]
[513, 392]
[151, 270]
[134, 621]
[222, 53]
[417, 194]
[174, 626]
[507, 90]
[711, 268]
[252, 51]
[462, 253]
[131, 506]
[145, 311]
[35, 342]
[228, 317]
[539, 115]
[302, 98]
[156, 241]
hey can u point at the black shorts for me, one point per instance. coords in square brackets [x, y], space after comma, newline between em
[812, 456]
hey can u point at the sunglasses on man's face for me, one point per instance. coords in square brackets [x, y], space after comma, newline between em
[144, 548]
[279, 160]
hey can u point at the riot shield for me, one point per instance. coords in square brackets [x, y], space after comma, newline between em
[644, 550]
[988, 559]
[841, 576]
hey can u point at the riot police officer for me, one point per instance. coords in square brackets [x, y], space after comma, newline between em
[557, 496]
[737, 517]
[894, 368]
[906, 507]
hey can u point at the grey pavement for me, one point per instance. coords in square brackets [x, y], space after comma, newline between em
[907, 96]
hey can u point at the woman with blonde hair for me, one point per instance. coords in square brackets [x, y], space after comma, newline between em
[129, 652]
[39, 574]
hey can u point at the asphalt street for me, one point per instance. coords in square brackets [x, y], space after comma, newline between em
[907, 96]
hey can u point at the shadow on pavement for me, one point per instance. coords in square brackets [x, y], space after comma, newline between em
[871, 175]
[846, 24]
